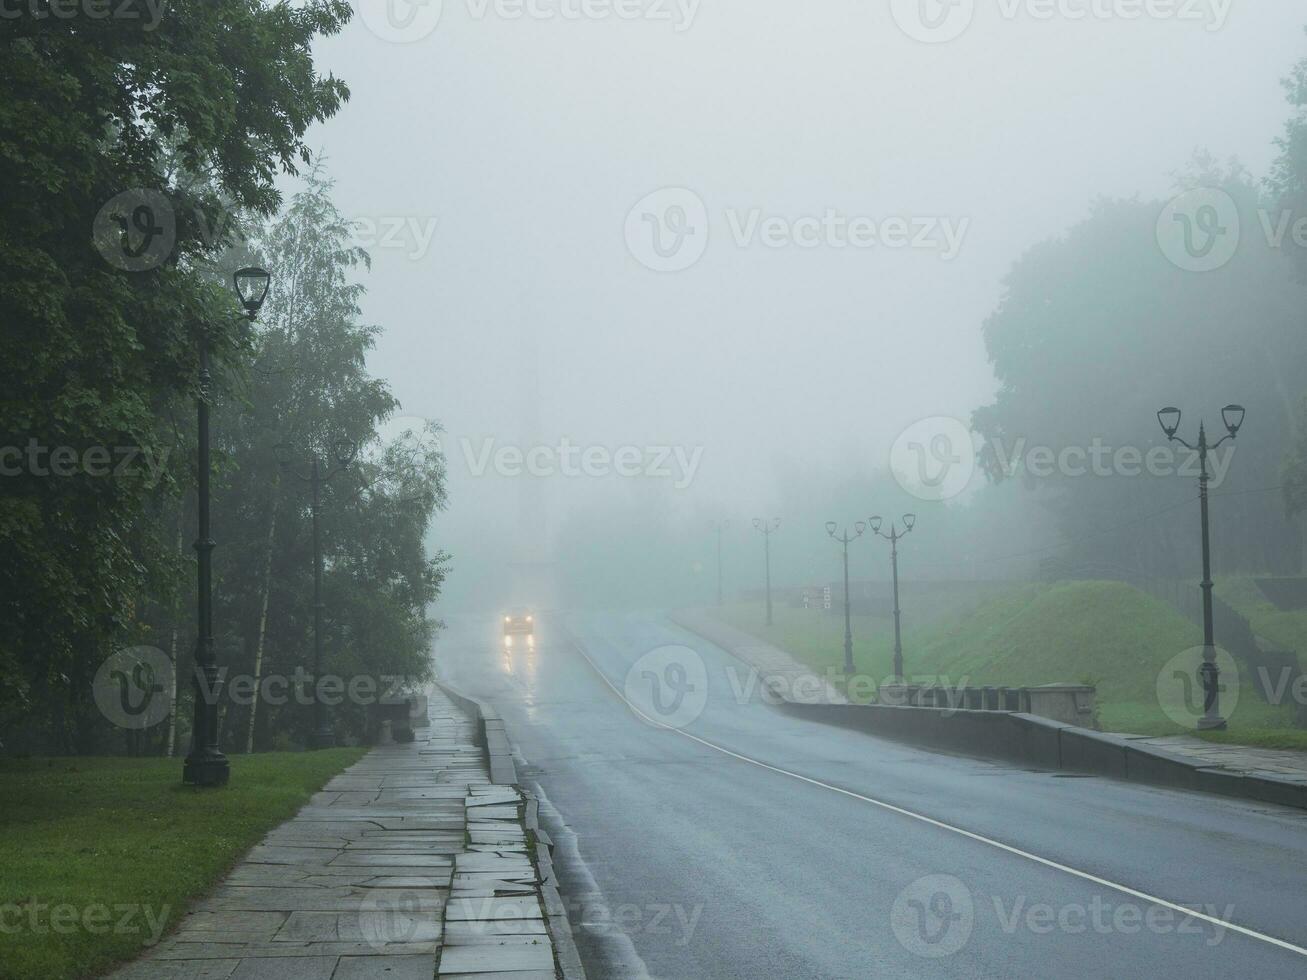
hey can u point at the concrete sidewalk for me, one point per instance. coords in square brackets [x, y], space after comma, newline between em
[778, 668]
[1285, 764]
[408, 865]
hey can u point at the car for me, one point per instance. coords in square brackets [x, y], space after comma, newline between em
[519, 622]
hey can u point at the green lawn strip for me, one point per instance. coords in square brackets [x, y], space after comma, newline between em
[1103, 633]
[1286, 630]
[86, 834]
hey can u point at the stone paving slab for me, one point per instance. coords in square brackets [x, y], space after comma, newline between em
[1280, 763]
[381, 875]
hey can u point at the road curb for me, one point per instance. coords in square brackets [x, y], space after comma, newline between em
[1031, 741]
[503, 772]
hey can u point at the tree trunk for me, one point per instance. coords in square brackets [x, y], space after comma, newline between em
[172, 645]
[263, 611]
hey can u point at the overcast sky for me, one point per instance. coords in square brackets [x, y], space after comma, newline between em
[520, 145]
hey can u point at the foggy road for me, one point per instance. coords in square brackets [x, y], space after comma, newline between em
[690, 861]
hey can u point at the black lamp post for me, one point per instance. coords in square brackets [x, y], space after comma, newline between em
[718, 528]
[205, 764]
[767, 529]
[1209, 673]
[844, 539]
[317, 475]
[909, 522]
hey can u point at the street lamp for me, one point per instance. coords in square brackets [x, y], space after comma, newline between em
[317, 475]
[205, 764]
[1209, 673]
[252, 288]
[718, 528]
[767, 529]
[909, 522]
[844, 539]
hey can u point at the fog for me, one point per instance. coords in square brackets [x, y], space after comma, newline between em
[521, 145]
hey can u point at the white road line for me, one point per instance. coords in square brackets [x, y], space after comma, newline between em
[1083, 875]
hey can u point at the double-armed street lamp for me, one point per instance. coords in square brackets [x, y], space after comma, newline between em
[767, 529]
[205, 764]
[844, 538]
[317, 474]
[909, 522]
[1209, 673]
[719, 527]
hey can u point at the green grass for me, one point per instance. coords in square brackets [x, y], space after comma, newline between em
[125, 835]
[1286, 630]
[1103, 633]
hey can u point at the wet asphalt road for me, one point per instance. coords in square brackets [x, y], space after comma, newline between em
[682, 861]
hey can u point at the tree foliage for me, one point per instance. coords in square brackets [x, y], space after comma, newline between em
[132, 155]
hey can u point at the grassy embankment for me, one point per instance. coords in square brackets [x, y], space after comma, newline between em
[102, 855]
[1102, 633]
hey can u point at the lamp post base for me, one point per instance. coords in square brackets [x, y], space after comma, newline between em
[1212, 724]
[206, 771]
[324, 738]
